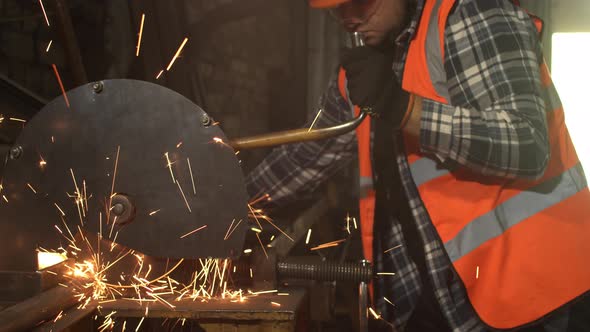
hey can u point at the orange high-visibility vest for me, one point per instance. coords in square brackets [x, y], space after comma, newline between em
[519, 247]
[367, 192]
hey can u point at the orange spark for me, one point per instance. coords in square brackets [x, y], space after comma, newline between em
[177, 53]
[387, 300]
[61, 85]
[17, 120]
[190, 168]
[191, 232]
[154, 212]
[32, 189]
[60, 210]
[169, 165]
[48, 46]
[261, 245]
[391, 249]
[374, 313]
[385, 274]
[247, 251]
[140, 34]
[477, 273]
[44, 12]
[160, 74]
[184, 197]
[308, 236]
[275, 304]
[315, 120]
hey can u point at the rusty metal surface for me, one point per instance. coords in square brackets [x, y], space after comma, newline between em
[254, 308]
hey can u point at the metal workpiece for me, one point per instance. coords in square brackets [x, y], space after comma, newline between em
[296, 135]
[27, 314]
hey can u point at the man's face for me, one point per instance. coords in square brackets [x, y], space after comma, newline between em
[381, 18]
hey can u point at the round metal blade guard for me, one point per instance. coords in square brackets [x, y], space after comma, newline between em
[142, 158]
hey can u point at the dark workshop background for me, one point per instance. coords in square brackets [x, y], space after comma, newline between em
[254, 65]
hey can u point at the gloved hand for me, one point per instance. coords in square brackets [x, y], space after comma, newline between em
[372, 84]
[369, 76]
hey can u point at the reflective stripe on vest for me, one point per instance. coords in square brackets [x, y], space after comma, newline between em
[367, 192]
[518, 246]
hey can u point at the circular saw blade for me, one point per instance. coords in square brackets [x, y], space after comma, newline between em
[128, 139]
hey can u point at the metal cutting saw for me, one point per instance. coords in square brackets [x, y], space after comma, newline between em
[138, 164]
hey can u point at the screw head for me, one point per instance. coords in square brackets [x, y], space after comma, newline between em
[97, 87]
[16, 152]
[205, 120]
[118, 209]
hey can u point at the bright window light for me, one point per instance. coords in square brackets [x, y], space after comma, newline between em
[570, 72]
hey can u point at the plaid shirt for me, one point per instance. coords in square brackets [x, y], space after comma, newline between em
[495, 125]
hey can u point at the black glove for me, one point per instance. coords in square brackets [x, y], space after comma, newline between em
[372, 84]
[369, 76]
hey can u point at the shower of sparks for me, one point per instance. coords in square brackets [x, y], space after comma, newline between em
[315, 120]
[328, 245]
[385, 274]
[190, 168]
[375, 315]
[17, 120]
[477, 273]
[49, 46]
[61, 85]
[387, 300]
[154, 212]
[255, 216]
[44, 13]
[169, 166]
[184, 197]
[32, 189]
[140, 35]
[258, 214]
[308, 236]
[160, 74]
[194, 231]
[392, 249]
[177, 54]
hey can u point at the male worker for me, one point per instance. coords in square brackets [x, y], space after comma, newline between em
[481, 204]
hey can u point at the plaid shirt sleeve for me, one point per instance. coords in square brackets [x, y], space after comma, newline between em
[496, 124]
[292, 172]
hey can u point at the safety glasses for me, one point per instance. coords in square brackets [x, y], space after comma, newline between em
[355, 11]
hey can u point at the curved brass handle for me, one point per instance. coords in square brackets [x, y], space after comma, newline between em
[296, 135]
